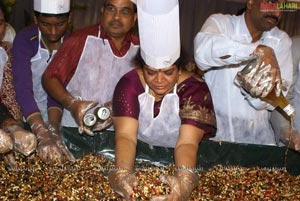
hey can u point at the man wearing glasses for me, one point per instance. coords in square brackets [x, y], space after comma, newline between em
[88, 66]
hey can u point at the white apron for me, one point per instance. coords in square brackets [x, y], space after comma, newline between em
[162, 130]
[3, 60]
[97, 73]
[39, 63]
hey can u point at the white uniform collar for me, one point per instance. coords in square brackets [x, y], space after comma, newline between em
[242, 30]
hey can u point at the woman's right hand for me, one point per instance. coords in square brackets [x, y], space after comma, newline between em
[122, 181]
[182, 185]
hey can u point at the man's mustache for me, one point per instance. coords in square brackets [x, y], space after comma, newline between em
[272, 16]
[116, 22]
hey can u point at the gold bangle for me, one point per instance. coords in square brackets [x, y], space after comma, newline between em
[32, 115]
[56, 108]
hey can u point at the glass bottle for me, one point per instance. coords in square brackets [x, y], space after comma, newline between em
[278, 102]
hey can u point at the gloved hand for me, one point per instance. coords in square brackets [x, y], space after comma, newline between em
[9, 159]
[182, 185]
[67, 155]
[24, 141]
[6, 143]
[122, 181]
[100, 125]
[50, 147]
[292, 139]
[78, 109]
[262, 75]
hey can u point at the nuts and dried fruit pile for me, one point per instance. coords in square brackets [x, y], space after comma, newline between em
[86, 179]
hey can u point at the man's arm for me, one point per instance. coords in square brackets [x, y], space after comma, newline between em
[284, 57]
[23, 51]
[215, 44]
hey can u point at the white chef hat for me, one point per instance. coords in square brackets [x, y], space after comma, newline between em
[159, 34]
[52, 6]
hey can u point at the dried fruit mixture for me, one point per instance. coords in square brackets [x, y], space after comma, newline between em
[86, 179]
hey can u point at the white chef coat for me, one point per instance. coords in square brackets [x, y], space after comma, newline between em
[240, 118]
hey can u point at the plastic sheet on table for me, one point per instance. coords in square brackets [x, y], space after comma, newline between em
[210, 153]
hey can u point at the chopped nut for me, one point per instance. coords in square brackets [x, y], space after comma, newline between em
[86, 179]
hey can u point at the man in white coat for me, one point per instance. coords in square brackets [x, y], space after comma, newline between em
[222, 48]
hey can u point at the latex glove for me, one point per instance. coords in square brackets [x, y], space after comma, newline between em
[6, 143]
[24, 141]
[182, 185]
[67, 155]
[123, 182]
[101, 125]
[292, 139]
[262, 74]
[78, 109]
[50, 148]
[9, 159]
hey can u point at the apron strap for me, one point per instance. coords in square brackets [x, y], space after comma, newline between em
[147, 89]
[99, 32]
[175, 89]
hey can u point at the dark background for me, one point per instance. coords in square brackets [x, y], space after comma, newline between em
[193, 13]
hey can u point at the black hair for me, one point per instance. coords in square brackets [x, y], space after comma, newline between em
[4, 10]
[134, 6]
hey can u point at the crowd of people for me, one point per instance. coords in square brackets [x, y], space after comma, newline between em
[51, 79]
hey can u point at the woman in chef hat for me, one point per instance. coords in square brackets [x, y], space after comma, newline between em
[160, 104]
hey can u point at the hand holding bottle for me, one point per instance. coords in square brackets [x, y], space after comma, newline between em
[262, 74]
[78, 109]
[256, 80]
[268, 57]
